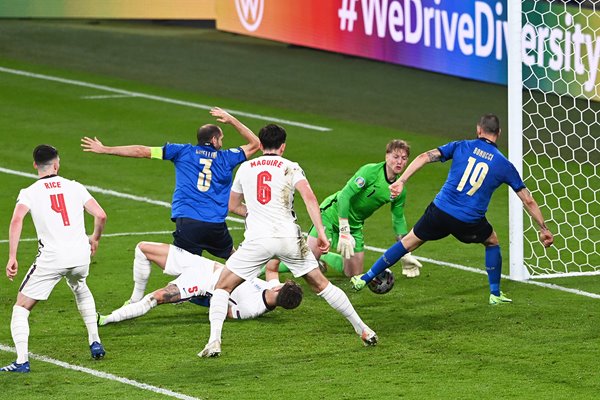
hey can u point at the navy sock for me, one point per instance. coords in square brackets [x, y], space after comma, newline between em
[389, 258]
[493, 266]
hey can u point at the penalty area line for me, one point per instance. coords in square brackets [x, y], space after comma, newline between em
[103, 375]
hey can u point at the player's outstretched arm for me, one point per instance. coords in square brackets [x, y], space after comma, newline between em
[95, 146]
[14, 235]
[93, 208]
[416, 164]
[532, 208]
[312, 206]
[226, 118]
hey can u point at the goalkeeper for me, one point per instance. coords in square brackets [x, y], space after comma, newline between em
[344, 213]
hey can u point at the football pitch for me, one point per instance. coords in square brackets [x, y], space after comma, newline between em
[134, 83]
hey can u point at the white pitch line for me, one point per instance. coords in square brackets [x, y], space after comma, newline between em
[96, 189]
[119, 234]
[375, 249]
[107, 96]
[104, 375]
[160, 98]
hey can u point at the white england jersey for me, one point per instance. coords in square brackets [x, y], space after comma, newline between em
[56, 205]
[248, 299]
[267, 184]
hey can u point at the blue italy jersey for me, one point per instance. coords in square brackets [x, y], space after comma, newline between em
[203, 178]
[478, 168]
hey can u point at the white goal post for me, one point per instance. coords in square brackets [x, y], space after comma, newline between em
[554, 134]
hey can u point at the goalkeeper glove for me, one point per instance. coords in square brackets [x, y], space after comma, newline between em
[410, 266]
[346, 242]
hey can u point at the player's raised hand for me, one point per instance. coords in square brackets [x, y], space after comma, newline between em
[93, 145]
[396, 188]
[12, 267]
[221, 115]
[546, 237]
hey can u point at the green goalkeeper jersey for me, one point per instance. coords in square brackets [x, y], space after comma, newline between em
[364, 194]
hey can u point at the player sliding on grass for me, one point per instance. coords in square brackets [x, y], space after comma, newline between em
[344, 214]
[267, 185]
[196, 277]
[57, 208]
[478, 169]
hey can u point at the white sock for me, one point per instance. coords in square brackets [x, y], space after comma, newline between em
[141, 274]
[87, 309]
[338, 300]
[19, 327]
[217, 313]
[132, 310]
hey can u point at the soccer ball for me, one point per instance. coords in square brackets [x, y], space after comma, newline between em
[382, 283]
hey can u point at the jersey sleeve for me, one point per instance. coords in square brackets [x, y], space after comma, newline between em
[171, 151]
[24, 198]
[297, 174]
[447, 150]
[513, 179]
[356, 184]
[234, 156]
[237, 181]
[398, 218]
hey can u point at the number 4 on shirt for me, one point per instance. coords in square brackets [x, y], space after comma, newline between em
[57, 202]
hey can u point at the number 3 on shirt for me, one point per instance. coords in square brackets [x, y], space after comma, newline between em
[204, 176]
[477, 174]
[57, 203]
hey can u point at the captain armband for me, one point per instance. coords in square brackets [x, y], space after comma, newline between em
[156, 152]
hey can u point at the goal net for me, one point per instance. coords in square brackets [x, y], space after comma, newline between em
[556, 102]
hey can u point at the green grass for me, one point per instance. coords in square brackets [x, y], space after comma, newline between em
[439, 339]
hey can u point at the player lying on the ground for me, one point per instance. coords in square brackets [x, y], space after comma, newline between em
[196, 277]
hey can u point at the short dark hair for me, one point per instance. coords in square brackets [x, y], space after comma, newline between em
[207, 132]
[290, 295]
[490, 123]
[272, 136]
[397, 144]
[44, 153]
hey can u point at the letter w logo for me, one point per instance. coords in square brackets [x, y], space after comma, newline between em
[250, 13]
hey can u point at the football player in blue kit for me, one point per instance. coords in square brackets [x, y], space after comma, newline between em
[203, 178]
[478, 169]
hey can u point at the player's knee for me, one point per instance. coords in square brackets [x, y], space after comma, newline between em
[140, 249]
[492, 240]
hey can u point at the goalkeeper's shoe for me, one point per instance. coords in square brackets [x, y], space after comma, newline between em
[97, 350]
[369, 337]
[212, 349]
[101, 319]
[502, 299]
[357, 282]
[14, 367]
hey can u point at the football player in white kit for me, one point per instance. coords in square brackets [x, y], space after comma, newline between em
[267, 185]
[196, 278]
[57, 208]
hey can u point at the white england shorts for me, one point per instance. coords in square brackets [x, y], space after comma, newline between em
[196, 274]
[40, 281]
[178, 259]
[249, 258]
